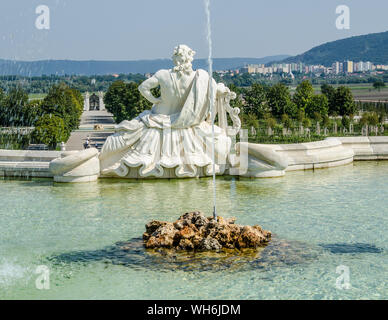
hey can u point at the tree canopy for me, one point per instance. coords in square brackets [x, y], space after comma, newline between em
[279, 101]
[124, 101]
[54, 117]
[256, 100]
[303, 95]
[50, 130]
[379, 84]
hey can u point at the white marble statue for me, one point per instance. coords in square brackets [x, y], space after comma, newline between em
[86, 101]
[175, 138]
[176, 133]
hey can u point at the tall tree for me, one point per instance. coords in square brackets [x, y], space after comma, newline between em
[303, 95]
[330, 94]
[13, 106]
[124, 100]
[279, 101]
[318, 104]
[65, 103]
[344, 101]
[256, 101]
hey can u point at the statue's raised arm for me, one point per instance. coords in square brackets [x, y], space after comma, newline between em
[145, 89]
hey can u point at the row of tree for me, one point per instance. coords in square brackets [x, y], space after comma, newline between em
[53, 117]
[258, 102]
[43, 83]
[248, 79]
[261, 101]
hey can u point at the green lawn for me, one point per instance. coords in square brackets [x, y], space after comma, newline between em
[360, 91]
[33, 96]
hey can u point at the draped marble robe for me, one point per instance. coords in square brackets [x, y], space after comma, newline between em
[153, 142]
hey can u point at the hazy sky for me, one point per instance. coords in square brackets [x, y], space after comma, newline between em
[148, 29]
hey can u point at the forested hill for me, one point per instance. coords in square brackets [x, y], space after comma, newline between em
[70, 67]
[371, 47]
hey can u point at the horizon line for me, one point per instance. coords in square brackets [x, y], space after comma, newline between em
[136, 60]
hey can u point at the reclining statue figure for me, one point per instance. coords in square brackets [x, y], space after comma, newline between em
[176, 132]
[175, 138]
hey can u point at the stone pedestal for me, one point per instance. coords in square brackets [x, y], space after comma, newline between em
[101, 100]
[86, 101]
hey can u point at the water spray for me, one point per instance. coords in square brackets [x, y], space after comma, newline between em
[211, 97]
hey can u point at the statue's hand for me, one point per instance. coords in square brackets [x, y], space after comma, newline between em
[224, 91]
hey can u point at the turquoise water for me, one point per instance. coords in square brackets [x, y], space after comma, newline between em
[320, 219]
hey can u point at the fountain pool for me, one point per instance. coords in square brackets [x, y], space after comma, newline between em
[320, 220]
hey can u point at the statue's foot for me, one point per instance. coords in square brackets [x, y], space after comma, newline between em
[76, 166]
[258, 161]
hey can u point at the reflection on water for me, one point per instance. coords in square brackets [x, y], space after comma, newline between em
[340, 248]
[132, 254]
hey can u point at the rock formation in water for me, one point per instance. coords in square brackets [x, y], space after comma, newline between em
[194, 231]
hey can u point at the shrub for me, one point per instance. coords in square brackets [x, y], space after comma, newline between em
[270, 122]
[249, 120]
[364, 119]
[345, 122]
[306, 123]
[373, 119]
[317, 117]
[287, 122]
[325, 121]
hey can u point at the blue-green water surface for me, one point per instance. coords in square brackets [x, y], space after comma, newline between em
[320, 220]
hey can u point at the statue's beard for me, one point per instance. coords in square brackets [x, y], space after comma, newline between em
[184, 68]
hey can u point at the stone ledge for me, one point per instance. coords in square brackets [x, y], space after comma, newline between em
[367, 148]
[313, 155]
[28, 155]
[330, 152]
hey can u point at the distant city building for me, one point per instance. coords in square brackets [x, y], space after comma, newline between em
[382, 67]
[336, 68]
[348, 66]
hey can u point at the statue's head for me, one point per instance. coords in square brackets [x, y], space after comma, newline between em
[182, 57]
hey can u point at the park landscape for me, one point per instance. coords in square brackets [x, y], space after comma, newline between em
[185, 183]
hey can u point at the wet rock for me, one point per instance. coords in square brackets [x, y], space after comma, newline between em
[187, 232]
[186, 244]
[178, 225]
[250, 237]
[194, 231]
[151, 227]
[162, 237]
[210, 244]
[201, 221]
